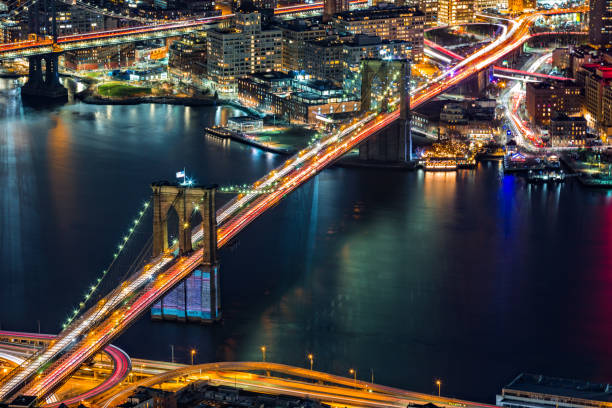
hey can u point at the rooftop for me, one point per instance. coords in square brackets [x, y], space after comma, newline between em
[271, 76]
[552, 84]
[562, 117]
[578, 389]
[301, 25]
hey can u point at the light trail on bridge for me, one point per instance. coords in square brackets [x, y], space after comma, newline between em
[115, 312]
[121, 365]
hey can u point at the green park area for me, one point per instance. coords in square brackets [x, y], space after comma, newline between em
[284, 137]
[120, 90]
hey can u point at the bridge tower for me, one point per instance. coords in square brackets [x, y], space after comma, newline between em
[394, 143]
[197, 298]
[45, 85]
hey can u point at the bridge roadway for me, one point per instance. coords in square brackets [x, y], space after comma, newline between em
[29, 48]
[120, 308]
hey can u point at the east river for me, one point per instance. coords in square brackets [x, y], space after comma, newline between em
[470, 277]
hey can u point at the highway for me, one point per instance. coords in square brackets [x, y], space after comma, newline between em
[303, 382]
[18, 353]
[513, 99]
[124, 305]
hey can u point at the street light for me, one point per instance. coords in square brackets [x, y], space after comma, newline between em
[311, 358]
[354, 374]
[263, 353]
[439, 384]
[193, 352]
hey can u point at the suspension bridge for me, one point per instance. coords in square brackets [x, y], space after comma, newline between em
[87, 333]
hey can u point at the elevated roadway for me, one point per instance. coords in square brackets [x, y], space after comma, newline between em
[289, 380]
[30, 48]
[17, 347]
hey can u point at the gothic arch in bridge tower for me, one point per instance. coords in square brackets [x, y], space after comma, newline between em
[196, 298]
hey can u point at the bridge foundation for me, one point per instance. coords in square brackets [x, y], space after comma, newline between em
[45, 85]
[197, 298]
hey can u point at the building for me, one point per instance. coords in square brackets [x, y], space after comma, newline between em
[538, 391]
[332, 7]
[561, 58]
[243, 49]
[544, 99]
[323, 59]
[154, 74]
[472, 120]
[109, 57]
[295, 34]
[579, 56]
[339, 58]
[430, 9]
[454, 12]
[10, 31]
[600, 22]
[597, 80]
[480, 5]
[567, 131]
[74, 21]
[145, 397]
[201, 394]
[518, 6]
[298, 99]
[151, 51]
[404, 23]
[187, 57]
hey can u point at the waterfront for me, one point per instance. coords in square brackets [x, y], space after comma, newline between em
[520, 271]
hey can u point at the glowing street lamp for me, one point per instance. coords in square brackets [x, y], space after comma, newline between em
[354, 374]
[263, 353]
[311, 358]
[193, 353]
[439, 384]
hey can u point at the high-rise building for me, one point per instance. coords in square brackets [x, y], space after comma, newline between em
[243, 49]
[518, 6]
[187, 57]
[480, 5]
[295, 35]
[430, 9]
[600, 22]
[404, 23]
[337, 59]
[544, 99]
[331, 7]
[453, 12]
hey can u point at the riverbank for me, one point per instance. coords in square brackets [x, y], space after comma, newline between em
[87, 96]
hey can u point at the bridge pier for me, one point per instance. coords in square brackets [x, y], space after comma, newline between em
[197, 298]
[44, 86]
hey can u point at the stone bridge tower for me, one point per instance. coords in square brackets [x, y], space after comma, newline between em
[394, 143]
[197, 298]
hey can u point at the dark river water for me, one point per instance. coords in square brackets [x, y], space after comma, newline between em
[471, 277]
